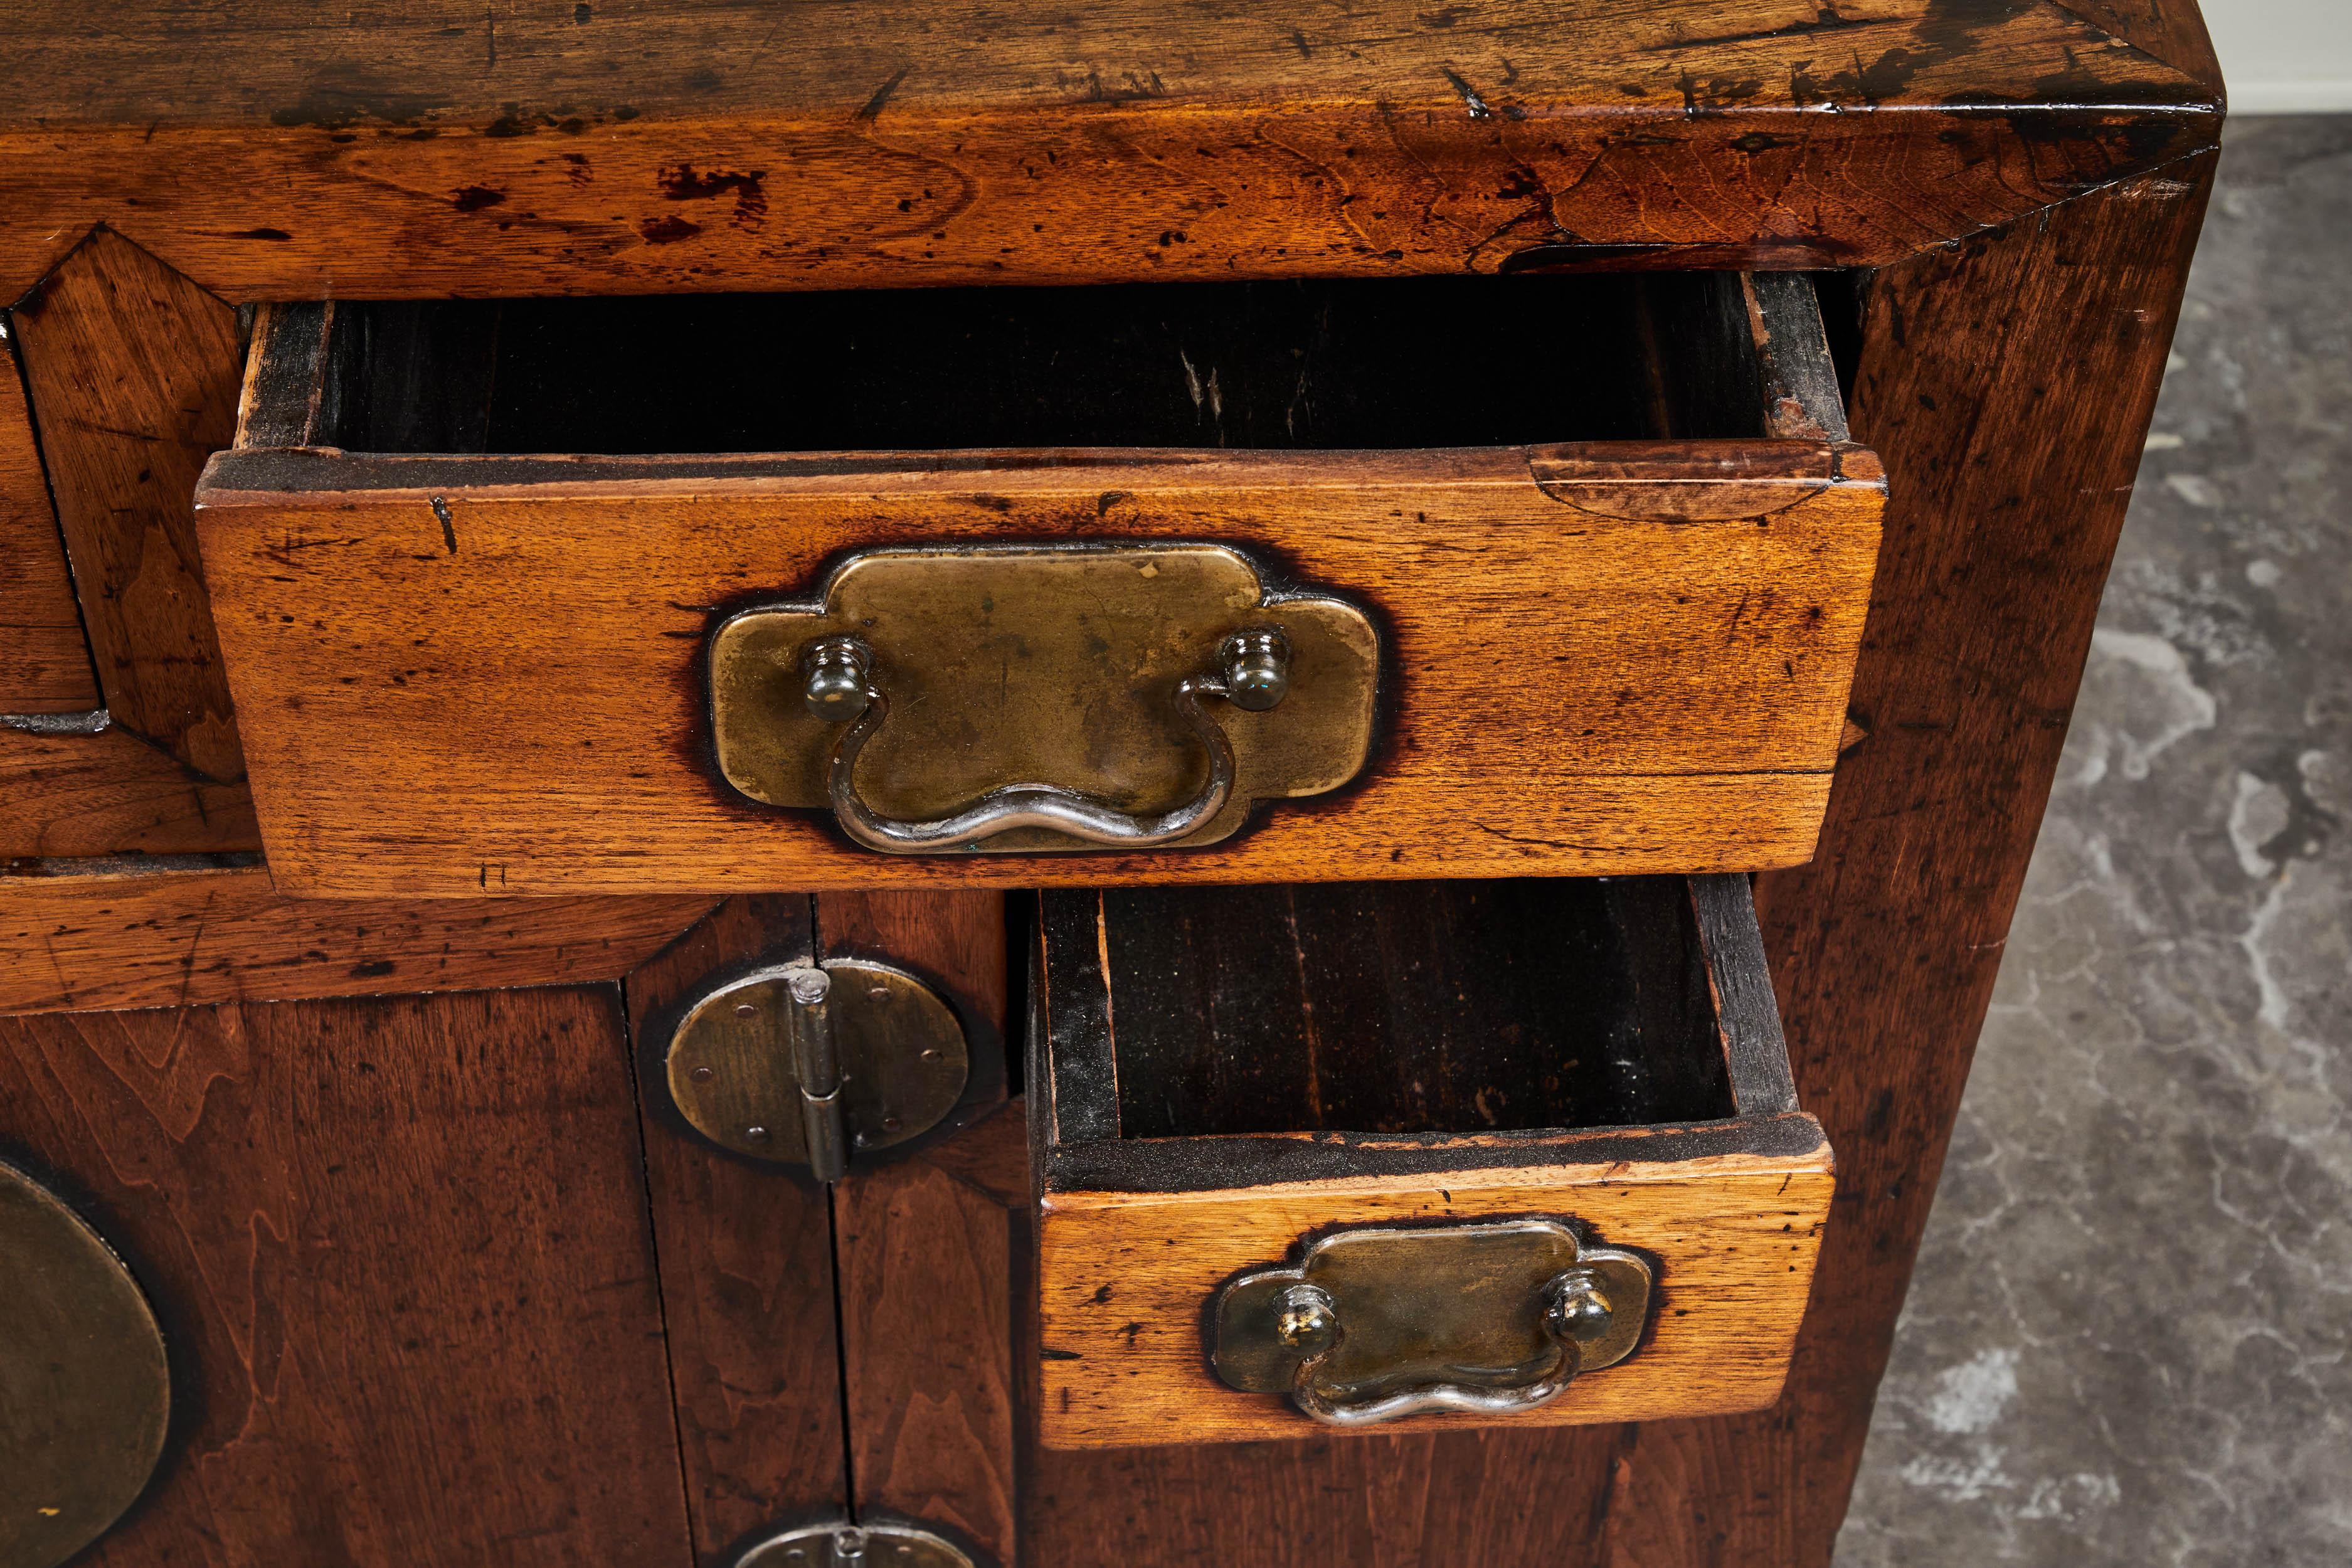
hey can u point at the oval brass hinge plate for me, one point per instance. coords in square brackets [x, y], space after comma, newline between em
[1044, 664]
[885, 1543]
[85, 1393]
[901, 1063]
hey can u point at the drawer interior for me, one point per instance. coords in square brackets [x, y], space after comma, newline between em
[1423, 1020]
[1440, 1008]
[1433, 362]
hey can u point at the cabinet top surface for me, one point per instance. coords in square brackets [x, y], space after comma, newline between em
[275, 149]
[515, 69]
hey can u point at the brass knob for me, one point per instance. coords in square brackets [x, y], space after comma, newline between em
[1306, 1321]
[832, 679]
[1257, 668]
[1579, 1309]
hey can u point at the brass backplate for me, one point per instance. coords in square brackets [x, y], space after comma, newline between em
[1456, 1304]
[1044, 664]
[84, 1390]
[904, 1061]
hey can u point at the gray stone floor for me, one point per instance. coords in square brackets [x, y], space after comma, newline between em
[2130, 1337]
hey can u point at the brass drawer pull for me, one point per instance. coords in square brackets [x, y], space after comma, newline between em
[1043, 699]
[1252, 674]
[1375, 1325]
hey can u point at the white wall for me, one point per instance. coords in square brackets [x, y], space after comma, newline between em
[2284, 56]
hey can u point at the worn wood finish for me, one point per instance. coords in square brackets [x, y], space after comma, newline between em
[1222, 1074]
[444, 150]
[2172, 31]
[1124, 1277]
[933, 1253]
[130, 936]
[1390, 1007]
[134, 372]
[1692, 729]
[930, 1393]
[44, 658]
[2009, 381]
[747, 1274]
[72, 794]
[399, 1249]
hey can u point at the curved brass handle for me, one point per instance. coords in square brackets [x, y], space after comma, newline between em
[1576, 1311]
[1254, 674]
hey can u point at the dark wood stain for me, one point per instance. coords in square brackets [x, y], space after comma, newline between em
[1408, 1007]
[399, 1249]
[746, 1255]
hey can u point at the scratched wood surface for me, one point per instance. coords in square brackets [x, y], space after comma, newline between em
[1711, 594]
[74, 795]
[2010, 383]
[134, 372]
[399, 1249]
[132, 936]
[44, 659]
[747, 1265]
[272, 151]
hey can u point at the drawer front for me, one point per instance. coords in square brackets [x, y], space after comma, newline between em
[1732, 1236]
[507, 673]
[1645, 999]
[491, 676]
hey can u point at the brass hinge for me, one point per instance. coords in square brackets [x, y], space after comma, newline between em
[814, 1063]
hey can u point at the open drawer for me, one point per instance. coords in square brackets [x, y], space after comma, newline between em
[1412, 1154]
[1230, 584]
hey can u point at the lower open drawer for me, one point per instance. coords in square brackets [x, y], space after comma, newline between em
[1411, 1154]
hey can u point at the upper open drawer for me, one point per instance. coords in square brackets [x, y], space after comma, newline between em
[1258, 581]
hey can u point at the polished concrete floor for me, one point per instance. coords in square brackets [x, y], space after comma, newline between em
[2130, 1336]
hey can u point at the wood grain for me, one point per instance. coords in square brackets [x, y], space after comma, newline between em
[1181, 1144]
[1397, 1501]
[929, 1395]
[131, 937]
[1710, 593]
[933, 1254]
[399, 1249]
[2009, 383]
[955, 940]
[747, 1274]
[134, 372]
[69, 795]
[44, 658]
[2172, 31]
[1123, 1278]
[448, 150]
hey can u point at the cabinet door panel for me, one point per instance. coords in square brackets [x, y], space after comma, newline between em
[401, 1252]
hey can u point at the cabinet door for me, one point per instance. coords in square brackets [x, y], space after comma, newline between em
[399, 1250]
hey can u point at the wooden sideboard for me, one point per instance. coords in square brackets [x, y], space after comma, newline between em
[484, 361]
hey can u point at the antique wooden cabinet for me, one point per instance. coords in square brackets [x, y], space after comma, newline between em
[1341, 706]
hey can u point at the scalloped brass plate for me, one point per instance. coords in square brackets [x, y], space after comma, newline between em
[1045, 664]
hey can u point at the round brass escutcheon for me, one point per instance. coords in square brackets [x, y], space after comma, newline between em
[903, 1060]
[85, 1393]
